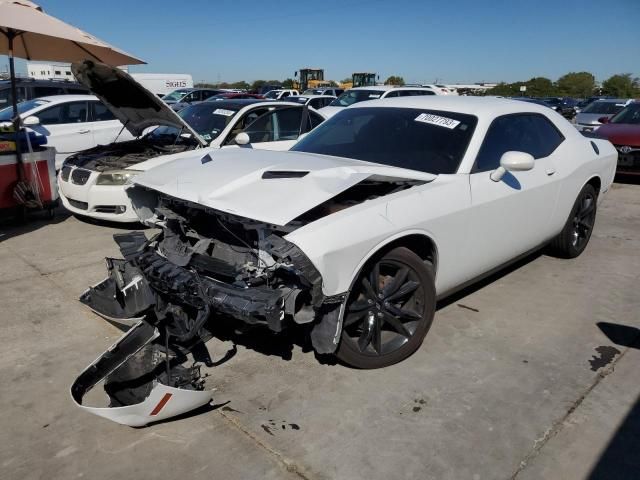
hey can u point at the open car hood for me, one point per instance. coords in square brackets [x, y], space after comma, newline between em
[135, 106]
[272, 187]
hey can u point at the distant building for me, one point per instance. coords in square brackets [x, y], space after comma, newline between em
[50, 71]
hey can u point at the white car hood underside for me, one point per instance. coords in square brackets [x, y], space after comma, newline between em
[135, 106]
[232, 181]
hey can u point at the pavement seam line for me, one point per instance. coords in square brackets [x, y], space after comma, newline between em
[287, 464]
[558, 425]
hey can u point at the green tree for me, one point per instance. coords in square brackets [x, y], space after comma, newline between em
[540, 87]
[288, 83]
[394, 80]
[576, 84]
[505, 90]
[621, 85]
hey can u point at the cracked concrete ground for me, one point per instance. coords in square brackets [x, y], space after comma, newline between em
[511, 382]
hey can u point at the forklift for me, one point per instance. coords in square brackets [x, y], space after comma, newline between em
[310, 78]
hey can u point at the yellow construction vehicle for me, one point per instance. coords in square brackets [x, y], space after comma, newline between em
[310, 78]
[363, 79]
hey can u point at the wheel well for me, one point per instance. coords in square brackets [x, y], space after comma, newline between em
[419, 244]
[595, 183]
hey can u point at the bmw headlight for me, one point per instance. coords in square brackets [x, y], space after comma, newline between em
[116, 177]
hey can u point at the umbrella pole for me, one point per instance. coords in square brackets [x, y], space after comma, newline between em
[14, 100]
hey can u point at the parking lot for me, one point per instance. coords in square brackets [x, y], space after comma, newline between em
[516, 379]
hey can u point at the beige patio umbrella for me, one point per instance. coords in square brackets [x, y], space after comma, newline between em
[27, 32]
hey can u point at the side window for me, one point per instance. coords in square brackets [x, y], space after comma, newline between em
[77, 91]
[314, 120]
[100, 113]
[280, 124]
[191, 97]
[208, 93]
[285, 94]
[393, 94]
[530, 133]
[46, 91]
[52, 115]
[75, 112]
[317, 103]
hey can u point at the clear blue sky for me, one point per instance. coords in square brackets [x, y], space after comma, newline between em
[421, 40]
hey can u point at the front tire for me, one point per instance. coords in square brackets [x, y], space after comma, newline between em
[575, 235]
[389, 311]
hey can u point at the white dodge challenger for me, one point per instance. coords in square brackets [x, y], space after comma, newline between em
[356, 231]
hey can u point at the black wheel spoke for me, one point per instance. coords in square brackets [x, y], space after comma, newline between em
[368, 288]
[359, 305]
[366, 336]
[404, 290]
[352, 318]
[403, 312]
[397, 325]
[393, 286]
[374, 278]
[377, 335]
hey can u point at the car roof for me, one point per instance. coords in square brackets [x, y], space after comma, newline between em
[388, 87]
[67, 98]
[478, 106]
[613, 100]
[241, 103]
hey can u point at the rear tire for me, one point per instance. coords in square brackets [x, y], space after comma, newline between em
[575, 235]
[389, 311]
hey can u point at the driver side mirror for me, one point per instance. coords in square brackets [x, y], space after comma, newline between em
[512, 162]
[603, 119]
[242, 139]
[31, 121]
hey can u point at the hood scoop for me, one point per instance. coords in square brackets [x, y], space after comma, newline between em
[270, 174]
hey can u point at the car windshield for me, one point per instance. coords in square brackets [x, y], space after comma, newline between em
[272, 94]
[207, 119]
[176, 95]
[424, 140]
[313, 91]
[6, 114]
[629, 115]
[354, 96]
[605, 108]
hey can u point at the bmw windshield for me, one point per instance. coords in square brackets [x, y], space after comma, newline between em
[208, 119]
[354, 96]
[425, 140]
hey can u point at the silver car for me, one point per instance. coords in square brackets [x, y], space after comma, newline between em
[589, 118]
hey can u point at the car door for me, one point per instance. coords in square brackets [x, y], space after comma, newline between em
[67, 128]
[513, 216]
[105, 126]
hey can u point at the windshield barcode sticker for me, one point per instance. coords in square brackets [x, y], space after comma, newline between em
[222, 111]
[431, 119]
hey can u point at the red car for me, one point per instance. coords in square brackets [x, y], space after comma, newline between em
[623, 130]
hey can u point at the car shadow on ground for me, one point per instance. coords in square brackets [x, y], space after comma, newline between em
[621, 458]
[13, 225]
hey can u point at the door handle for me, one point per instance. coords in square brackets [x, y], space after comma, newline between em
[550, 171]
[83, 131]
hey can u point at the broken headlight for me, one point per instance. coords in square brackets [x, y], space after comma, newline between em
[117, 177]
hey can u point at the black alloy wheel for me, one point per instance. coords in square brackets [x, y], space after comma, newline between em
[389, 311]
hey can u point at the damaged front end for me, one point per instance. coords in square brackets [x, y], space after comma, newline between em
[169, 290]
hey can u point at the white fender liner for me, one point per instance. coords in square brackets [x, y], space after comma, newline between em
[162, 402]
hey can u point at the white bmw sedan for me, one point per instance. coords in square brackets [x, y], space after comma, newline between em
[92, 183]
[359, 229]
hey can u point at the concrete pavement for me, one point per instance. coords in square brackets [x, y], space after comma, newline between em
[515, 379]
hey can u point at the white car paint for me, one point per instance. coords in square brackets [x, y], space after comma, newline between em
[314, 101]
[114, 195]
[71, 137]
[476, 224]
[281, 94]
[378, 92]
